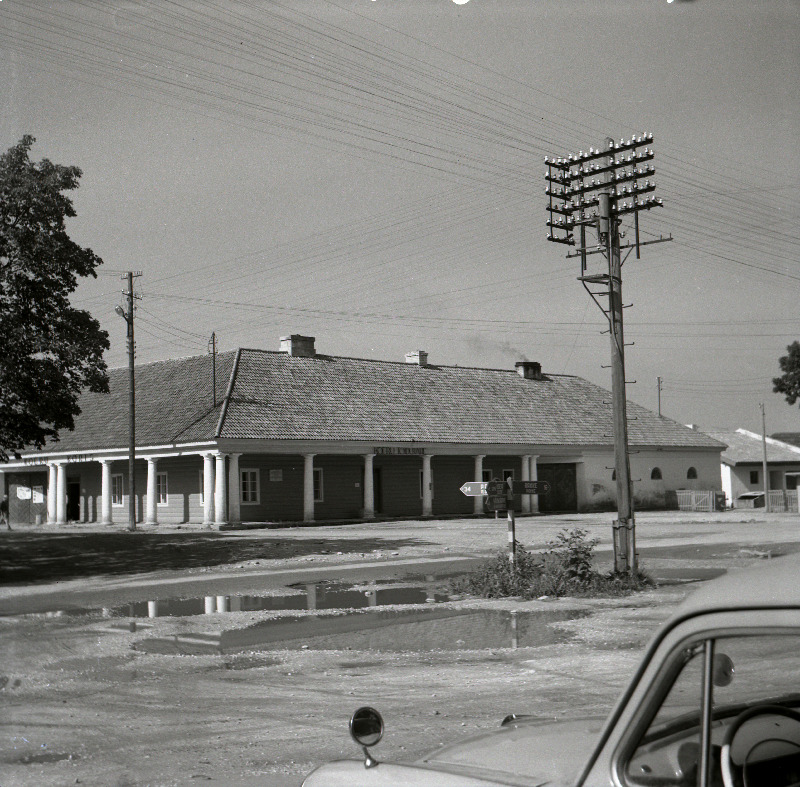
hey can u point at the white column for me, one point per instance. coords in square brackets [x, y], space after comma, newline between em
[308, 488]
[369, 490]
[234, 491]
[220, 490]
[427, 485]
[52, 492]
[105, 492]
[525, 500]
[478, 476]
[208, 489]
[151, 515]
[534, 476]
[61, 494]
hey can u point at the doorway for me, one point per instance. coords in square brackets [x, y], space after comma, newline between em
[73, 501]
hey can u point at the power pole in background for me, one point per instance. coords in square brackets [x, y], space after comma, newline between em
[212, 348]
[765, 467]
[594, 190]
[659, 396]
[127, 314]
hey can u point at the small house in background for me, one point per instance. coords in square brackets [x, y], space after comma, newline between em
[743, 470]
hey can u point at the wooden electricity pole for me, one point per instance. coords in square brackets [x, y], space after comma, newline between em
[127, 314]
[594, 191]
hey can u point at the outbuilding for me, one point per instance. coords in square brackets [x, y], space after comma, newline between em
[296, 435]
[743, 470]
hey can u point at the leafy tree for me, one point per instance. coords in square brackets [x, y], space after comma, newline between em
[50, 351]
[789, 382]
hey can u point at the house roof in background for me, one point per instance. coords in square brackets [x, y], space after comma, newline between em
[793, 438]
[747, 448]
[277, 396]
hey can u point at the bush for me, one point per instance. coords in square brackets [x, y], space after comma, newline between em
[565, 568]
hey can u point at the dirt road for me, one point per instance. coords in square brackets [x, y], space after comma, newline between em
[84, 703]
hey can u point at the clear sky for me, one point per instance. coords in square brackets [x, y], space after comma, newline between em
[370, 172]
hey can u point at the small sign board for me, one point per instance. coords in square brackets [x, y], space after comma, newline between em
[497, 503]
[496, 487]
[530, 487]
[474, 488]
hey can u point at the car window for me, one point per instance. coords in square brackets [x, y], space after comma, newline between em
[749, 671]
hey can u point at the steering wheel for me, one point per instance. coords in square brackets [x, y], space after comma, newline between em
[744, 716]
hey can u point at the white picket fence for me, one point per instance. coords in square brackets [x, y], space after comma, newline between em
[781, 500]
[699, 500]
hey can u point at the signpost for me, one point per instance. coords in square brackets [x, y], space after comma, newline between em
[500, 497]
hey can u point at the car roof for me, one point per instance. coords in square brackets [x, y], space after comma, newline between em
[772, 582]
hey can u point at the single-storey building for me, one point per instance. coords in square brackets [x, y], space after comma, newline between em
[296, 435]
[743, 470]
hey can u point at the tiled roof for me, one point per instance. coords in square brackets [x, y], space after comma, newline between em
[332, 398]
[747, 448]
[172, 399]
[277, 396]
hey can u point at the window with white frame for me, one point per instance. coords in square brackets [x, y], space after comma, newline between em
[318, 489]
[248, 486]
[116, 490]
[161, 489]
[508, 474]
[486, 475]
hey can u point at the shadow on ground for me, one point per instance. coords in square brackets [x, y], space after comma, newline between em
[45, 557]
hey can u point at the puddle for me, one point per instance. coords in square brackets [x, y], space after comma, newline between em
[384, 631]
[44, 757]
[319, 596]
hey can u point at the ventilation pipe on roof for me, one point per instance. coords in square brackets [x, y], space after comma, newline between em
[530, 370]
[298, 346]
[418, 357]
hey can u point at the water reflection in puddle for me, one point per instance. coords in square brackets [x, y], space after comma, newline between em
[387, 631]
[307, 597]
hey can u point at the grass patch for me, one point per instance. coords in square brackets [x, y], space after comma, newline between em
[564, 569]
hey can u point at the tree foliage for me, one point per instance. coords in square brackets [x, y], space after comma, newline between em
[788, 383]
[50, 351]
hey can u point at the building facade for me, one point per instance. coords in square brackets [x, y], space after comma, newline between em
[743, 469]
[297, 436]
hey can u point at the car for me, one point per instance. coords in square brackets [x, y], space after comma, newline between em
[714, 702]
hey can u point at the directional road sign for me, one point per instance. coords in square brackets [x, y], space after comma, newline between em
[530, 487]
[474, 488]
[496, 487]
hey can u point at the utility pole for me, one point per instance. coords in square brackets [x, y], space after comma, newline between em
[127, 314]
[212, 348]
[659, 396]
[764, 465]
[594, 191]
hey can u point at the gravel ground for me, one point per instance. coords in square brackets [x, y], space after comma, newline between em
[84, 703]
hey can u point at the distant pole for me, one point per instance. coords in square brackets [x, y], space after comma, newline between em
[512, 535]
[212, 348]
[659, 397]
[764, 458]
[128, 315]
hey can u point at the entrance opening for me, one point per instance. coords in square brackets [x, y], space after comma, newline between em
[73, 501]
[377, 489]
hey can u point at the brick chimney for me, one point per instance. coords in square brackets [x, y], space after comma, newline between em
[298, 346]
[418, 357]
[530, 370]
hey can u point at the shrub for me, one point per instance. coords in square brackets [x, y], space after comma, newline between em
[565, 568]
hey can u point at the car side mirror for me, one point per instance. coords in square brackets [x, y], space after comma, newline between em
[366, 729]
[723, 670]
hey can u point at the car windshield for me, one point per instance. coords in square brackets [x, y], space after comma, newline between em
[749, 670]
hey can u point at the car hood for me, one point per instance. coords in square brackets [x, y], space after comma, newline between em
[525, 752]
